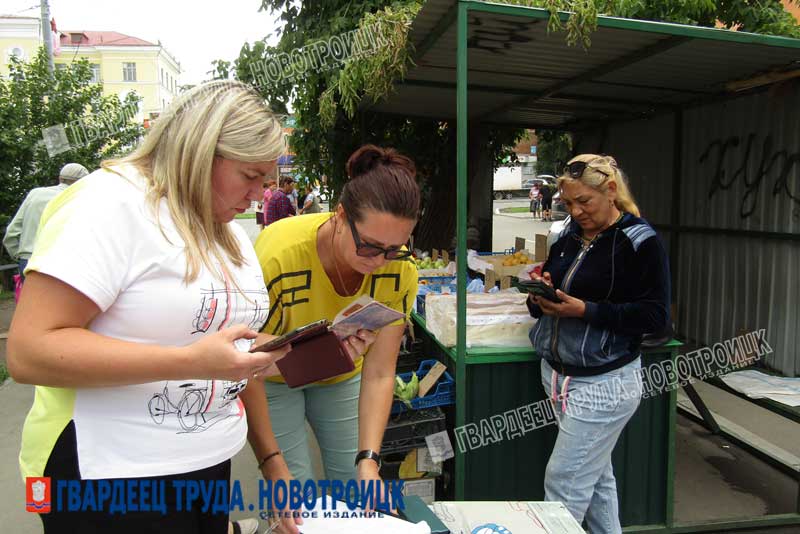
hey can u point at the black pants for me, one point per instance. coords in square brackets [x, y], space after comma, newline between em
[63, 465]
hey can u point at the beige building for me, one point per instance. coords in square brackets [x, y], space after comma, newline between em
[120, 62]
[124, 64]
[20, 37]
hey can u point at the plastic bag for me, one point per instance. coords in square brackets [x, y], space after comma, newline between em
[499, 319]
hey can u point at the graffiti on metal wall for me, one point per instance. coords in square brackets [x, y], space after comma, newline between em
[774, 166]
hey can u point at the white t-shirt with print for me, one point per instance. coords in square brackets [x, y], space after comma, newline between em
[101, 238]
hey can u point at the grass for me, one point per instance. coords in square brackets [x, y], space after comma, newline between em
[245, 215]
[518, 209]
[3, 373]
[6, 295]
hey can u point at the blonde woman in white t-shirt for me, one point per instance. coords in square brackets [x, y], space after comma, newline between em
[140, 293]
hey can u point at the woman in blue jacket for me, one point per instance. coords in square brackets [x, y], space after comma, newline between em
[610, 272]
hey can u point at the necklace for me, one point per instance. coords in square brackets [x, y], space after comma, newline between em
[586, 242]
[336, 266]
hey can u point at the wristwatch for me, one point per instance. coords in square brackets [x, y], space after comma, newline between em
[372, 455]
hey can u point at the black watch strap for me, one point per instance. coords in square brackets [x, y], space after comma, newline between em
[372, 455]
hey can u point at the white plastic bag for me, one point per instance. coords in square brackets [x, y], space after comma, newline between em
[493, 319]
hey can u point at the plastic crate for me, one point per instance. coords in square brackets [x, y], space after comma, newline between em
[506, 252]
[442, 394]
[413, 424]
[432, 281]
[408, 430]
[409, 361]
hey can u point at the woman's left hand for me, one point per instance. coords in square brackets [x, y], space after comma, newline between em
[368, 470]
[568, 307]
[359, 343]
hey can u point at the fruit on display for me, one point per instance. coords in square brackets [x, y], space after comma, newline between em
[518, 258]
[428, 263]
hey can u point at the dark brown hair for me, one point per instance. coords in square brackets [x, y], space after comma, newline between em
[286, 180]
[383, 180]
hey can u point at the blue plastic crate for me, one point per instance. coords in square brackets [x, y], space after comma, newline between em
[432, 281]
[442, 394]
[506, 252]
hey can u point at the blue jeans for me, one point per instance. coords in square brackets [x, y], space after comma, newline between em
[579, 472]
[332, 412]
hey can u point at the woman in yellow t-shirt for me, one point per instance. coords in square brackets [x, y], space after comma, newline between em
[313, 267]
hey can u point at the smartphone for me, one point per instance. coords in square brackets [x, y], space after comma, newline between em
[305, 331]
[540, 289]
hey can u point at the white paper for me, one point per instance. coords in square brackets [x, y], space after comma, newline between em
[513, 517]
[439, 446]
[757, 385]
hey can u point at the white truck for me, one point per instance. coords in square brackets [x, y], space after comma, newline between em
[508, 183]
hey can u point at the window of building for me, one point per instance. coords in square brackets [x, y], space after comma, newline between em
[129, 72]
[161, 75]
[95, 73]
[75, 38]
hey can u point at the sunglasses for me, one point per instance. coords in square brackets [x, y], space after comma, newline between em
[576, 169]
[368, 250]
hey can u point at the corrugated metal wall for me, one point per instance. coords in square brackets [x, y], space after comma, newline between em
[740, 172]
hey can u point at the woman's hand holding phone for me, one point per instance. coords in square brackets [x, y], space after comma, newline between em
[568, 307]
[217, 357]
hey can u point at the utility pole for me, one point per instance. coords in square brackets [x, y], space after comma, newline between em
[46, 35]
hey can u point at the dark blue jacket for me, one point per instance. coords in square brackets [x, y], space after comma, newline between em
[624, 279]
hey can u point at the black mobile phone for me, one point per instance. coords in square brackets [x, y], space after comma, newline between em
[540, 289]
[310, 329]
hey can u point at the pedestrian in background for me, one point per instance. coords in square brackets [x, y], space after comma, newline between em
[280, 203]
[546, 200]
[533, 195]
[269, 187]
[310, 200]
[21, 231]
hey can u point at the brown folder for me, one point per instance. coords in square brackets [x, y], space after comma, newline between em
[313, 358]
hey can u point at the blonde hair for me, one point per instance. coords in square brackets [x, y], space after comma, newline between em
[599, 172]
[220, 118]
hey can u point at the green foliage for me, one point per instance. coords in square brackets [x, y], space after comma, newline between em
[328, 107]
[553, 151]
[32, 99]
[391, 59]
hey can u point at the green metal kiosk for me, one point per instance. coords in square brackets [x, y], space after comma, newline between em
[482, 62]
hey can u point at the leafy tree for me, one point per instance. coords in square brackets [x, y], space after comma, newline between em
[32, 100]
[553, 151]
[329, 104]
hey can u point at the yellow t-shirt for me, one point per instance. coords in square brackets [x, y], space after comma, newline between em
[300, 291]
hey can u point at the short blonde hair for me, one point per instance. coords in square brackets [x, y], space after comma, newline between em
[220, 118]
[599, 172]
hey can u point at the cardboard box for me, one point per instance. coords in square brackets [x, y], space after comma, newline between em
[505, 270]
[540, 247]
[424, 488]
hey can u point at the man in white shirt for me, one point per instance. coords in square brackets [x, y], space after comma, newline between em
[21, 231]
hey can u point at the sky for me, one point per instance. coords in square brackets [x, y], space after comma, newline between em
[194, 32]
